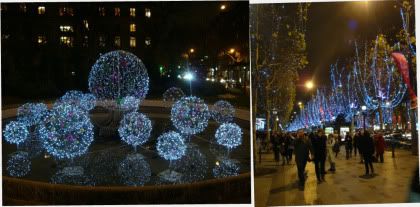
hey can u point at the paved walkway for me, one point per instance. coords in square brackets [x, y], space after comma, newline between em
[277, 185]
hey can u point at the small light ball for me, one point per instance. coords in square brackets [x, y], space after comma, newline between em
[16, 132]
[171, 146]
[229, 135]
[190, 115]
[18, 164]
[223, 112]
[135, 128]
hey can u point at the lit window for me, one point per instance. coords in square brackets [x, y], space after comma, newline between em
[42, 39]
[117, 11]
[117, 41]
[22, 8]
[132, 42]
[85, 41]
[41, 10]
[132, 27]
[147, 13]
[63, 11]
[148, 41]
[133, 12]
[101, 11]
[86, 24]
[66, 40]
[66, 28]
[101, 41]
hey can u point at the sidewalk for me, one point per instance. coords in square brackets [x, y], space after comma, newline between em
[277, 185]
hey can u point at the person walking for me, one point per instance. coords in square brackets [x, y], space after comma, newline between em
[348, 145]
[357, 138]
[283, 148]
[355, 144]
[276, 147]
[379, 146]
[290, 148]
[302, 150]
[367, 149]
[319, 144]
[336, 146]
[330, 152]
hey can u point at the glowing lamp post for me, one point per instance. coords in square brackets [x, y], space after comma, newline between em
[189, 77]
[364, 116]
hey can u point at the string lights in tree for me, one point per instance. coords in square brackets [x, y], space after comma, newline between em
[171, 146]
[229, 135]
[190, 115]
[32, 113]
[118, 74]
[16, 132]
[18, 164]
[135, 129]
[134, 170]
[226, 168]
[173, 94]
[222, 112]
[67, 132]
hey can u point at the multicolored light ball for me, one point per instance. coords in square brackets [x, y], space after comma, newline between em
[226, 168]
[135, 128]
[171, 146]
[134, 170]
[88, 101]
[18, 164]
[229, 135]
[222, 112]
[32, 113]
[118, 74]
[173, 94]
[16, 132]
[190, 115]
[129, 103]
[67, 132]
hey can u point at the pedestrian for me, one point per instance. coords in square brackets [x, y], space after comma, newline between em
[355, 146]
[330, 152]
[379, 146]
[290, 148]
[319, 144]
[336, 146]
[358, 137]
[283, 148]
[302, 148]
[348, 143]
[276, 148]
[367, 149]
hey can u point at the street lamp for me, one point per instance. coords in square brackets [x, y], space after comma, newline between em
[232, 50]
[222, 7]
[364, 117]
[192, 50]
[309, 85]
[189, 77]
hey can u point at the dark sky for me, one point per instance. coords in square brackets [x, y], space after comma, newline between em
[333, 25]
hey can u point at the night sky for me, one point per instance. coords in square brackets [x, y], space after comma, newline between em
[331, 28]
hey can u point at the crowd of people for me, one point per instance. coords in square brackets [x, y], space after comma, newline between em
[317, 147]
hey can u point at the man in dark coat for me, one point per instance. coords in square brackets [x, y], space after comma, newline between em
[319, 144]
[302, 147]
[367, 148]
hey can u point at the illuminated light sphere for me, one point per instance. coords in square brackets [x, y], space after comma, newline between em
[173, 94]
[171, 146]
[32, 113]
[72, 97]
[129, 103]
[16, 132]
[18, 164]
[32, 145]
[88, 101]
[67, 132]
[229, 135]
[134, 170]
[193, 166]
[72, 176]
[135, 128]
[222, 112]
[190, 115]
[118, 74]
[226, 168]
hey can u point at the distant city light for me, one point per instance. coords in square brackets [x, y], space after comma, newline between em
[192, 50]
[222, 7]
[232, 50]
[222, 80]
[188, 76]
[309, 84]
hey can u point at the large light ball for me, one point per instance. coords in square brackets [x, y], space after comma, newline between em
[129, 103]
[173, 94]
[222, 112]
[88, 101]
[32, 113]
[135, 128]
[229, 135]
[190, 115]
[134, 170]
[18, 164]
[16, 132]
[77, 98]
[67, 132]
[226, 168]
[171, 146]
[118, 74]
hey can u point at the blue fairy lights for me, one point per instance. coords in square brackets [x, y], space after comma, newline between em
[129, 103]
[222, 112]
[173, 94]
[229, 135]
[77, 98]
[190, 115]
[171, 146]
[134, 170]
[16, 132]
[226, 168]
[18, 164]
[135, 128]
[32, 113]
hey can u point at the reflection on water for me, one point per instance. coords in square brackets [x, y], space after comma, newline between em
[72, 175]
[193, 166]
[18, 164]
[134, 170]
[225, 167]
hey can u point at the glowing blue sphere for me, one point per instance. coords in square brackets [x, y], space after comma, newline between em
[67, 132]
[134, 170]
[190, 115]
[192, 167]
[18, 164]
[16, 132]
[173, 94]
[222, 112]
[229, 135]
[32, 113]
[77, 98]
[171, 146]
[88, 101]
[118, 74]
[226, 168]
[129, 103]
[135, 128]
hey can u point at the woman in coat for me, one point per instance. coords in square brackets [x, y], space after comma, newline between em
[330, 152]
[379, 146]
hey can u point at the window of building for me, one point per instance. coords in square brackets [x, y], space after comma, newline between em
[86, 24]
[147, 13]
[66, 28]
[133, 12]
[132, 27]
[66, 40]
[117, 11]
[102, 41]
[101, 11]
[85, 41]
[65, 11]
[42, 39]
[132, 41]
[117, 41]
[148, 41]
[22, 8]
[41, 10]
